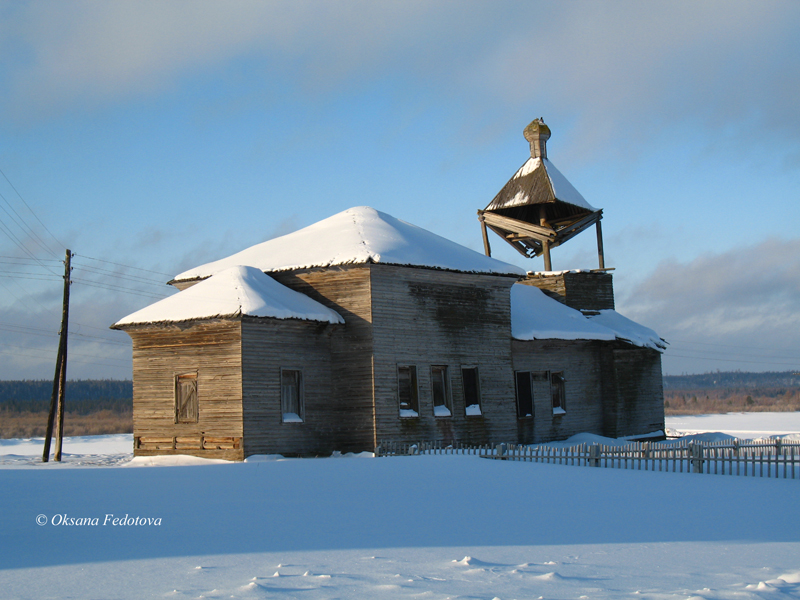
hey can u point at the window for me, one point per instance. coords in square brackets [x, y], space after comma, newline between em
[407, 391]
[442, 406]
[524, 394]
[186, 408]
[557, 390]
[472, 391]
[292, 395]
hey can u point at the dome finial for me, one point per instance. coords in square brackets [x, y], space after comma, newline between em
[537, 133]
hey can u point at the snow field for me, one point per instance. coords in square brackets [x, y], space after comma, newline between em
[407, 527]
[531, 530]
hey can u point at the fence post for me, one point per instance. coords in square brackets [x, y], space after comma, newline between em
[501, 451]
[697, 457]
[594, 455]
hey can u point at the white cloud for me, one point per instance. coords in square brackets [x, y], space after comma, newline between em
[740, 308]
[611, 69]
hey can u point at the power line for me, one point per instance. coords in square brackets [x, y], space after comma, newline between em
[60, 245]
[84, 362]
[114, 288]
[44, 277]
[754, 362]
[122, 276]
[55, 260]
[126, 266]
[747, 355]
[101, 339]
[71, 354]
[27, 273]
[27, 330]
[39, 241]
[7, 230]
[720, 345]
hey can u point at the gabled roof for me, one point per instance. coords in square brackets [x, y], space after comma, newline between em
[234, 292]
[536, 316]
[538, 182]
[357, 236]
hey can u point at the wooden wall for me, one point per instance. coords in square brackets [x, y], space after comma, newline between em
[581, 363]
[582, 290]
[427, 317]
[612, 388]
[213, 350]
[267, 346]
[638, 401]
[347, 290]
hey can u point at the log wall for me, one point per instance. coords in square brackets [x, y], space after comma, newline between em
[425, 317]
[638, 402]
[578, 290]
[267, 346]
[213, 350]
[347, 290]
[581, 362]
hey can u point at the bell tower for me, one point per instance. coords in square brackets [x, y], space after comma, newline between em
[539, 209]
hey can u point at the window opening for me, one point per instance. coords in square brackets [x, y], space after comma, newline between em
[524, 395]
[442, 406]
[559, 396]
[472, 391]
[186, 405]
[407, 391]
[292, 395]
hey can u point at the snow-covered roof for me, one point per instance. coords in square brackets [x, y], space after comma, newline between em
[233, 292]
[536, 182]
[536, 316]
[629, 331]
[357, 236]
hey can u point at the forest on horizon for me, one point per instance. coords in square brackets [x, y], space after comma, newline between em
[102, 406]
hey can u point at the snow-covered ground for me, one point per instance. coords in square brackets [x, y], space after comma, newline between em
[741, 425]
[406, 527]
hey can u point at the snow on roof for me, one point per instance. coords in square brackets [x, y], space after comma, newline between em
[233, 292]
[356, 236]
[536, 316]
[562, 189]
[629, 331]
[558, 273]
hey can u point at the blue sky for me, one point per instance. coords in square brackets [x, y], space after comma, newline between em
[161, 135]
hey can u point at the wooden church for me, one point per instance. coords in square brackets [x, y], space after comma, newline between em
[363, 328]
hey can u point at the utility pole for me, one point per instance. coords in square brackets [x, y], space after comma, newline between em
[60, 377]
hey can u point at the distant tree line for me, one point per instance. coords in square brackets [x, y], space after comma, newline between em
[83, 396]
[733, 379]
[732, 392]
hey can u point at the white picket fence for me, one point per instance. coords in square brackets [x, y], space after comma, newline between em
[773, 458]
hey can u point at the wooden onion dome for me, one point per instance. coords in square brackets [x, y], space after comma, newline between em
[539, 209]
